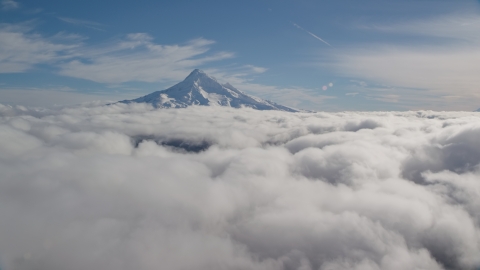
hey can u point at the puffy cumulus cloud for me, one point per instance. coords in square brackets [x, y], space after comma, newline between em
[131, 187]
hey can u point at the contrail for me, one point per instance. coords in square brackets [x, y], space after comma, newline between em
[311, 34]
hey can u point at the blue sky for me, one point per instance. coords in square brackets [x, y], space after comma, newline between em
[368, 55]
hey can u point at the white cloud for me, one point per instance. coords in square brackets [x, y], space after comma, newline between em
[256, 69]
[445, 66]
[20, 49]
[110, 187]
[134, 58]
[9, 4]
[461, 27]
[441, 70]
[138, 58]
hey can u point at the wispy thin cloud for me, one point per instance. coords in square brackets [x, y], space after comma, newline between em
[133, 58]
[138, 58]
[311, 34]
[256, 69]
[9, 5]
[463, 27]
[21, 49]
[443, 63]
[84, 23]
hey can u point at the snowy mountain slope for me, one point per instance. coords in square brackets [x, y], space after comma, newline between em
[200, 89]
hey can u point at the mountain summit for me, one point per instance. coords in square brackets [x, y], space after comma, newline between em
[200, 89]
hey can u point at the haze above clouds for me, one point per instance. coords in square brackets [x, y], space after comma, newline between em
[130, 187]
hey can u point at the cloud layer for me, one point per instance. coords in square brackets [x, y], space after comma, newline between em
[129, 187]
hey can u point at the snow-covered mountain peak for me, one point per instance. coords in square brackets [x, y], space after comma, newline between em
[198, 74]
[199, 88]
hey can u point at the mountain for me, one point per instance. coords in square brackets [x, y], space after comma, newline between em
[200, 89]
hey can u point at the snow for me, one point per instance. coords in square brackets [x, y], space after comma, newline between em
[198, 88]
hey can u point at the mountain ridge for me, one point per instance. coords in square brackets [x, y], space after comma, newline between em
[200, 89]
